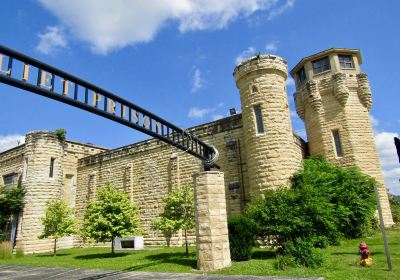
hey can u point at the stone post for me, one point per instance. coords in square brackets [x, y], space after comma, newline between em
[211, 221]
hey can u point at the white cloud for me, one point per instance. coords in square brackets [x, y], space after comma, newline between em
[10, 141]
[389, 160]
[52, 40]
[217, 117]
[197, 81]
[290, 82]
[110, 25]
[271, 47]
[281, 9]
[250, 51]
[374, 121]
[200, 113]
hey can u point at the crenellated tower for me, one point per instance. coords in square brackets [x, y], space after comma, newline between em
[267, 128]
[333, 98]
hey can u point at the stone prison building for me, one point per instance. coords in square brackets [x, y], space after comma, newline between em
[257, 148]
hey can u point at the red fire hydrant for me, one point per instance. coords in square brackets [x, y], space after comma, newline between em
[365, 254]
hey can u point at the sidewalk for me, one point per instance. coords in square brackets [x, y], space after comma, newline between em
[42, 273]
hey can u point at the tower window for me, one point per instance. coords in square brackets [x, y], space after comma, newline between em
[259, 122]
[301, 75]
[337, 142]
[321, 65]
[10, 179]
[51, 174]
[346, 61]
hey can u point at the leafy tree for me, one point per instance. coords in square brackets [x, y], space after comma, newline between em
[395, 208]
[325, 204]
[58, 222]
[111, 215]
[166, 226]
[11, 202]
[178, 213]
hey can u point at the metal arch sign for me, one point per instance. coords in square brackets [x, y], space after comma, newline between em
[29, 74]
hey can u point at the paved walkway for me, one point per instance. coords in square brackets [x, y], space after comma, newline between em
[42, 273]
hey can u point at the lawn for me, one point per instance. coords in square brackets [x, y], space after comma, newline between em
[340, 260]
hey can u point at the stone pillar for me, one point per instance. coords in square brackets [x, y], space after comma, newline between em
[211, 221]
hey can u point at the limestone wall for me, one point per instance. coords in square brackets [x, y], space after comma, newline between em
[11, 162]
[341, 101]
[272, 157]
[150, 169]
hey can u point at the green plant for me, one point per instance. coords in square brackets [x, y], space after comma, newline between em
[395, 208]
[284, 261]
[11, 202]
[166, 226]
[302, 252]
[325, 204]
[61, 133]
[58, 222]
[5, 250]
[178, 213]
[19, 252]
[110, 215]
[241, 237]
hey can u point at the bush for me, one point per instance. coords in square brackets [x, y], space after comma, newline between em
[19, 252]
[325, 204]
[241, 237]
[395, 208]
[5, 250]
[302, 253]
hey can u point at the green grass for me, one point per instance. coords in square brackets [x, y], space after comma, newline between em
[340, 260]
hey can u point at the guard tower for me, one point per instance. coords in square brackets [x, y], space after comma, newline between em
[333, 98]
[267, 128]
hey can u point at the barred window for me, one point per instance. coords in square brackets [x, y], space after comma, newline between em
[346, 61]
[321, 65]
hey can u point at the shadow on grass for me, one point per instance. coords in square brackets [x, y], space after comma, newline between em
[101, 256]
[174, 258]
[263, 255]
[51, 255]
[354, 253]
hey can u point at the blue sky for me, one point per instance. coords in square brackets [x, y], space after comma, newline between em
[175, 58]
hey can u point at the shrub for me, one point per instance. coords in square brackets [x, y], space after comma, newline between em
[302, 252]
[395, 208]
[19, 252]
[241, 237]
[325, 204]
[284, 261]
[61, 133]
[5, 250]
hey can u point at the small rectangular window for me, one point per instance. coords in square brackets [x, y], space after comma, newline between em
[10, 179]
[259, 121]
[51, 174]
[338, 143]
[321, 65]
[301, 75]
[25, 168]
[346, 61]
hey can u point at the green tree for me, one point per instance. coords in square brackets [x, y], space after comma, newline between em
[110, 215]
[11, 203]
[58, 222]
[166, 226]
[178, 213]
[324, 204]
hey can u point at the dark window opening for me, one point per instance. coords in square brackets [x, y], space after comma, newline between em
[259, 122]
[10, 179]
[346, 61]
[301, 75]
[338, 143]
[52, 160]
[321, 65]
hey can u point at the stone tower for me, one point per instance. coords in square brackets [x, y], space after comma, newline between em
[42, 180]
[333, 98]
[267, 129]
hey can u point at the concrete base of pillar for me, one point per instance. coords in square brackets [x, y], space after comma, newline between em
[211, 221]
